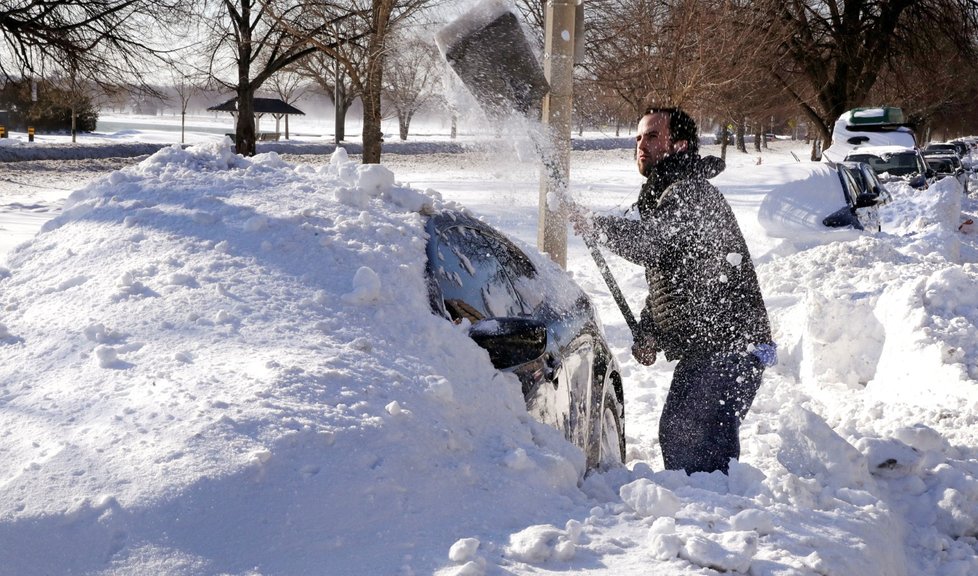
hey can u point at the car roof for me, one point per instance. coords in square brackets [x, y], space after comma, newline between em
[878, 150]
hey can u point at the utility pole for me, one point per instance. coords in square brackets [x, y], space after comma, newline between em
[558, 107]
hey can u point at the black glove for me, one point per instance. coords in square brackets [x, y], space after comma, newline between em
[643, 349]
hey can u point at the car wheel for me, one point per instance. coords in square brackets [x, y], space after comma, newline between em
[608, 445]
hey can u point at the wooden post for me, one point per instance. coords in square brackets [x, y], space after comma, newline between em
[558, 106]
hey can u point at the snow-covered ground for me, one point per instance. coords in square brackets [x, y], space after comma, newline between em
[219, 365]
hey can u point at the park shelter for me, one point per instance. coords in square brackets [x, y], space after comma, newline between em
[274, 107]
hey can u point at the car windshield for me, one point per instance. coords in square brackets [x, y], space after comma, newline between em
[940, 165]
[896, 164]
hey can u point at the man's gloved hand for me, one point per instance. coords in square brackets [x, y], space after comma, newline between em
[643, 350]
[581, 219]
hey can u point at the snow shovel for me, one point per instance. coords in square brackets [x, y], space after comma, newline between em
[489, 52]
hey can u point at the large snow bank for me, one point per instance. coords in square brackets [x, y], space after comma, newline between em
[213, 364]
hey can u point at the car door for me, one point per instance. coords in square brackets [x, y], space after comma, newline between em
[477, 271]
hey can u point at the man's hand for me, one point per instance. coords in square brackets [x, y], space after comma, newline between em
[643, 350]
[580, 218]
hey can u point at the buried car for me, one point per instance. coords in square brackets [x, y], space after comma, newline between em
[945, 165]
[552, 342]
[892, 163]
[784, 207]
[863, 193]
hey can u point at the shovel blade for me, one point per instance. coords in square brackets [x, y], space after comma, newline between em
[487, 49]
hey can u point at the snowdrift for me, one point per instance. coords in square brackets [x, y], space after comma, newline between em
[212, 364]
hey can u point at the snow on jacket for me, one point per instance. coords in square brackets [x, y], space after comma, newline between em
[704, 298]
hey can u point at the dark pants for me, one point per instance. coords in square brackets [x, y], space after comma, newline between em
[699, 430]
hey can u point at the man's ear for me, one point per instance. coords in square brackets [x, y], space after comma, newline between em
[680, 145]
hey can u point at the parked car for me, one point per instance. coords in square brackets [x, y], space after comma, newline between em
[879, 126]
[945, 165]
[862, 195]
[551, 340]
[894, 163]
[944, 148]
[869, 181]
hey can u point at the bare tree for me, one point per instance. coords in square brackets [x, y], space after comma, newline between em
[836, 50]
[186, 85]
[260, 37]
[289, 85]
[411, 79]
[333, 79]
[108, 42]
[365, 25]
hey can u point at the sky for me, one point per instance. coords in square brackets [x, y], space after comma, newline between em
[218, 365]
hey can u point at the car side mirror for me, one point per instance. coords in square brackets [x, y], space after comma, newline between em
[841, 218]
[510, 341]
[918, 181]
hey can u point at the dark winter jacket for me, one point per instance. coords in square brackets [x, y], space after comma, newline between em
[704, 298]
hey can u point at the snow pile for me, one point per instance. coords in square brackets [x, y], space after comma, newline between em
[208, 362]
[219, 365]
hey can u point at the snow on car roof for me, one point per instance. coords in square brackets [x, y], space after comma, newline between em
[879, 150]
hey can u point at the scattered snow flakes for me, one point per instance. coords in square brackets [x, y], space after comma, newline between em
[735, 259]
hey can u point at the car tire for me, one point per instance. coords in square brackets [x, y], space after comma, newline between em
[607, 448]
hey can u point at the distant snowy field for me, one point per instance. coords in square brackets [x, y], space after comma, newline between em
[219, 365]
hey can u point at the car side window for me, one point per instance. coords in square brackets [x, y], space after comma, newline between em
[475, 273]
[850, 190]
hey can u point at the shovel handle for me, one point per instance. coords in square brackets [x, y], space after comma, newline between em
[616, 293]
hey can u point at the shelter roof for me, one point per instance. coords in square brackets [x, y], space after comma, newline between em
[262, 106]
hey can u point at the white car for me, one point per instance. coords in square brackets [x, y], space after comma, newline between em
[882, 126]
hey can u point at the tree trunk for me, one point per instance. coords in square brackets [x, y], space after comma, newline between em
[454, 125]
[403, 123]
[340, 105]
[244, 128]
[741, 140]
[757, 138]
[372, 135]
[373, 138]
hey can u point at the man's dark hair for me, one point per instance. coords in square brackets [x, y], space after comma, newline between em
[681, 126]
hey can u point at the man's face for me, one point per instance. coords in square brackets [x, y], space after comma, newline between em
[652, 143]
